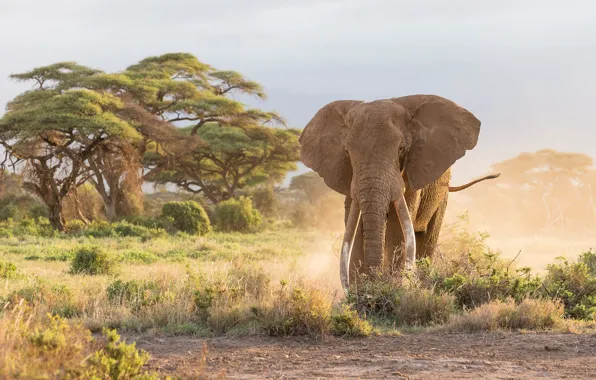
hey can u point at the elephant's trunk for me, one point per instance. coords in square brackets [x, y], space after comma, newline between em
[374, 197]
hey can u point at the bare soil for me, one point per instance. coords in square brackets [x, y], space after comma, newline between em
[408, 356]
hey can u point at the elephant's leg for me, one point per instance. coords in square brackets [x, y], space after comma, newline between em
[426, 242]
[430, 199]
[357, 257]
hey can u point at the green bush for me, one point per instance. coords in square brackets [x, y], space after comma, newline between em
[297, 311]
[575, 284]
[121, 229]
[134, 293]
[151, 222]
[92, 260]
[266, 201]
[75, 225]
[58, 299]
[125, 229]
[188, 217]
[345, 321]
[237, 214]
[389, 298]
[18, 207]
[8, 270]
[51, 347]
[27, 227]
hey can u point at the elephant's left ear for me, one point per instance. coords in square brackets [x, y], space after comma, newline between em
[322, 145]
[442, 132]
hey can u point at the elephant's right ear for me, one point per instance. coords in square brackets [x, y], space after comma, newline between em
[322, 145]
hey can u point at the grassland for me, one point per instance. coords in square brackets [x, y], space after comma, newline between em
[281, 282]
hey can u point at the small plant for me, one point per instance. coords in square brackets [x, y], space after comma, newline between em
[134, 293]
[56, 299]
[92, 260]
[34, 347]
[237, 214]
[8, 270]
[345, 321]
[118, 360]
[188, 217]
[75, 225]
[297, 311]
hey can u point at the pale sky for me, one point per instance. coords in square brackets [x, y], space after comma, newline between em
[525, 68]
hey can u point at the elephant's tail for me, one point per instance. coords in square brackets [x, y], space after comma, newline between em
[462, 187]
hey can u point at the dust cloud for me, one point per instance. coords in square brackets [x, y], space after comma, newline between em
[542, 206]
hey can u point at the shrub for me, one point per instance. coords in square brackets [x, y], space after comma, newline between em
[575, 284]
[8, 270]
[134, 293]
[389, 298]
[474, 273]
[56, 299]
[297, 311]
[75, 225]
[126, 229]
[498, 315]
[188, 217]
[92, 260]
[27, 227]
[237, 214]
[345, 321]
[18, 207]
[225, 302]
[51, 347]
[265, 201]
[121, 229]
[156, 223]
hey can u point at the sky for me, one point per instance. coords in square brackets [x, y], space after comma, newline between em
[525, 68]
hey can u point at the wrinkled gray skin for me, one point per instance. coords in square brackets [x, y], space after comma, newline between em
[380, 155]
[427, 208]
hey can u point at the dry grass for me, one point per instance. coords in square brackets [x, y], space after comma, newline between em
[530, 314]
[34, 346]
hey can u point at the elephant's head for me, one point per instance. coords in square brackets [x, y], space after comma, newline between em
[363, 149]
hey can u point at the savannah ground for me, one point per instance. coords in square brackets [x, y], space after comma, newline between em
[193, 301]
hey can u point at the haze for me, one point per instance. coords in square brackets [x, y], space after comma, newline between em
[527, 69]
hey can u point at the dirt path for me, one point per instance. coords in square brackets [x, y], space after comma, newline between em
[409, 356]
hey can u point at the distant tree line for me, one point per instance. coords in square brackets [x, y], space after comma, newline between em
[544, 192]
[169, 119]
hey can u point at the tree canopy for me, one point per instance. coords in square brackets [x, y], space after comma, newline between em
[53, 130]
[116, 130]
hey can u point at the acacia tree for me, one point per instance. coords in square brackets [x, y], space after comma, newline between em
[231, 159]
[539, 191]
[226, 146]
[311, 184]
[54, 130]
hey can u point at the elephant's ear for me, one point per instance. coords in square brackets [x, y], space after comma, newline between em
[322, 145]
[442, 133]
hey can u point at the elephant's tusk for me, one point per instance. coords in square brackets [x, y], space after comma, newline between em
[407, 228]
[352, 224]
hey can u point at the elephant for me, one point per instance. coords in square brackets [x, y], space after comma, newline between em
[427, 208]
[389, 157]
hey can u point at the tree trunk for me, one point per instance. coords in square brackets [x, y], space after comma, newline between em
[56, 216]
[111, 207]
